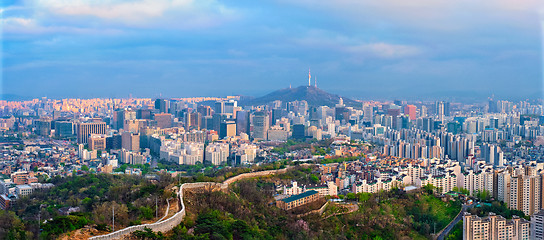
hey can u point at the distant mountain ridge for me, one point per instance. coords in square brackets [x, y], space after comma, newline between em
[313, 95]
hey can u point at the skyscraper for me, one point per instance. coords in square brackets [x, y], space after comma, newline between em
[219, 107]
[84, 130]
[439, 106]
[162, 105]
[43, 127]
[204, 110]
[242, 122]
[227, 129]
[410, 110]
[299, 131]
[260, 125]
[131, 141]
[120, 116]
[164, 120]
[64, 129]
[537, 225]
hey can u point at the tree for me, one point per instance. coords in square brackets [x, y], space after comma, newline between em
[483, 195]
[314, 179]
[363, 197]
[146, 213]
[103, 213]
[147, 233]
[429, 188]
[351, 196]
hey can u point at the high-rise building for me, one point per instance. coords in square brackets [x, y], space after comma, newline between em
[64, 129]
[193, 120]
[277, 133]
[537, 225]
[495, 227]
[368, 113]
[277, 113]
[204, 110]
[492, 154]
[242, 122]
[217, 153]
[525, 193]
[131, 141]
[84, 130]
[164, 120]
[97, 142]
[217, 119]
[245, 153]
[43, 127]
[227, 129]
[439, 106]
[219, 107]
[410, 110]
[120, 116]
[143, 114]
[492, 106]
[207, 122]
[162, 105]
[114, 142]
[260, 125]
[299, 131]
[230, 106]
[423, 111]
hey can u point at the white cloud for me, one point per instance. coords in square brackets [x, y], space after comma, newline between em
[39, 16]
[385, 50]
[355, 47]
[439, 15]
[123, 11]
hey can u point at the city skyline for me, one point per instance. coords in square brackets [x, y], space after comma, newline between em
[358, 49]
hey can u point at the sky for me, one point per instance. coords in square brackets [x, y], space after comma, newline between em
[357, 48]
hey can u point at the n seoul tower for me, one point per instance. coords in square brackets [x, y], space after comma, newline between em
[309, 78]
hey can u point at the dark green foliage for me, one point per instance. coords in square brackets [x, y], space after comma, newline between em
[148, 234]
[457, 232]
[11, 227]
[483, 195]
[213, 224]
[314, 179]
[351, 196]
[363, 197]
[146, 213]
[300, 174]
[88, 192]
[102, 227]
[499, 208]
[62, 224]
[338, 160]
[428, 211]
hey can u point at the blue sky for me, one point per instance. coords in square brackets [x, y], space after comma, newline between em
[358, 48]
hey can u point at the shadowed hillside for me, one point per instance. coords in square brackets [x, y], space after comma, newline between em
[313, 95]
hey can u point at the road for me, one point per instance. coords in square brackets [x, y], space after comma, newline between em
[459, 217]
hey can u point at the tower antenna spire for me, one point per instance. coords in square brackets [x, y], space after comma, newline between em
[315, 81]
[309, 78]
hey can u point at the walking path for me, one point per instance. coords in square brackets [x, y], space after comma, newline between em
[351, 208]
[168, 224]
[442, 234]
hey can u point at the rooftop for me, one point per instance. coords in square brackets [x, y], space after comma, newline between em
[299, 196]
